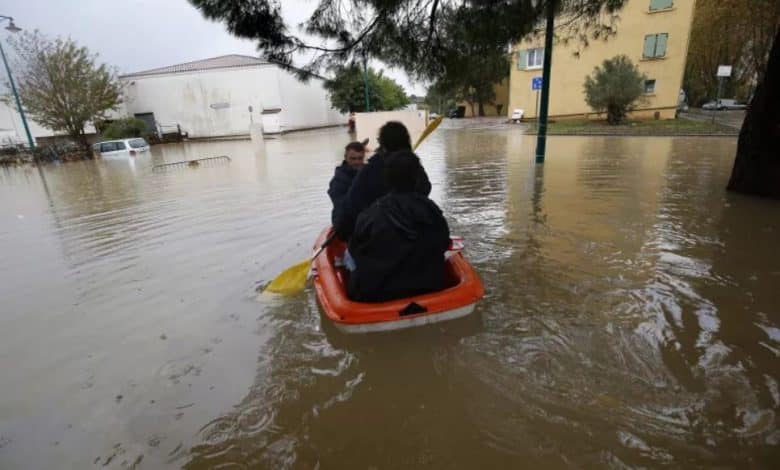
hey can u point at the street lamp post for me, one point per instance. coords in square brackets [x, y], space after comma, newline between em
[15, 29]
[541, 133]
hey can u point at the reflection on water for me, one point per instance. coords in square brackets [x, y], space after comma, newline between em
[630, 317]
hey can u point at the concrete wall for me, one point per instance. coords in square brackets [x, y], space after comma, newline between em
[215, 103]
[367, 124]
[567, 98]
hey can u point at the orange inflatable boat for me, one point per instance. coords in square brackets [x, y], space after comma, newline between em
[457, 300]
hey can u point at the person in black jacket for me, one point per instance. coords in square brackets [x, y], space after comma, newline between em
[399, 242]
[369, 184]
[354, 155]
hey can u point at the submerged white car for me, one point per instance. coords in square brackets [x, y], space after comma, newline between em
[124, 148]
[517, 115]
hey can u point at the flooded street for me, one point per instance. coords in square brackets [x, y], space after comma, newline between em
[631, 315]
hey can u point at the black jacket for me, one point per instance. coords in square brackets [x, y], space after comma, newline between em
[368, 186]
[398, 246]
[339, 187]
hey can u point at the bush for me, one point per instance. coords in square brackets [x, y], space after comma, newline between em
[126, 128]
[615, 87]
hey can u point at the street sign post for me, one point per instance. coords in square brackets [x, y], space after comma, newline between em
[724, 72]
[536, 85]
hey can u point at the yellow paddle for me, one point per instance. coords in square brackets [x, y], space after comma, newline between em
[293, 279]
[431, 127]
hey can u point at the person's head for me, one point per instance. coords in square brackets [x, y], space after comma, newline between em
[393, 137]
[354, 154]
[401, 170]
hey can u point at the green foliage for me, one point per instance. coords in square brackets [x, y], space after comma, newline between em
[615, 87]
[61, 85]
[425, 38]
[440, 98]
[719, 36]
[347, 91]
[126, 128]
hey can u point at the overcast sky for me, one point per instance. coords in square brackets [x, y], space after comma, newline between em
[135, 35]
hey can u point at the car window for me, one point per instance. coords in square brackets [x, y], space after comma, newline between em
[107, 147]
[120, 145]
[137, 143]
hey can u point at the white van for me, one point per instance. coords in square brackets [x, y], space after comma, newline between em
[124, 148]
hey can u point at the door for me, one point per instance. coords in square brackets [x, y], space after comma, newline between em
[271, 121]
[148, 118]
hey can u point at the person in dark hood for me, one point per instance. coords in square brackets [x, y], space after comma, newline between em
[369, 184]
[399, 242]
[354, 156]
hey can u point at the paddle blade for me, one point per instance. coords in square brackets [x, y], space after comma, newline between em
[431, 127]
[292, 280]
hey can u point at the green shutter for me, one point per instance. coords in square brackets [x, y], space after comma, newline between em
[649, 48]
[660, 46]
[522, 59]
[660, 4]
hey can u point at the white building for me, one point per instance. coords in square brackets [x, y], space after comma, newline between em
[12, 130]
[223, 96]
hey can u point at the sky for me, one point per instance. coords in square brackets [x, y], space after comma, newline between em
[136, 35]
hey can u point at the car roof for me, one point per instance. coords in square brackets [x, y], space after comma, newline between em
[119, 140]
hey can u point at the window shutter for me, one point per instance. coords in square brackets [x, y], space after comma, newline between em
[660, 47]
[660, 4]
[649, 48]
[522, 59]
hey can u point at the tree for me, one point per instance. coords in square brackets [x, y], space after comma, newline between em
[721, 37]
[440, 98]
[615, 87]
[61, 85]
[126, 128]
[424, 37]
[757, 164]
[347, 90]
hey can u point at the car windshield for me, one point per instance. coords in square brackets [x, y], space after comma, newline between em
[138, 143]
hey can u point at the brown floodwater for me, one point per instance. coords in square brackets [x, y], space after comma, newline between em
[631, 315]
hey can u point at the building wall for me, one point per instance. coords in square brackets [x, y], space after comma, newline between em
[567, 98]
[306, 105]
[215, 103]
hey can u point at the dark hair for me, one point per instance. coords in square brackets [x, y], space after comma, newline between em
[401, 171]
[393, 136]
[356, 146]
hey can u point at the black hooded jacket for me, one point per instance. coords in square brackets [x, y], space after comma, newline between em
[339, 187]
[398, 246]
[368, 186]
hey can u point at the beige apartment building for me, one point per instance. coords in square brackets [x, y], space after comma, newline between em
[652, 33]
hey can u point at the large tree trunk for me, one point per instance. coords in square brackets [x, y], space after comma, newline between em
[481, 109]
[757, 165]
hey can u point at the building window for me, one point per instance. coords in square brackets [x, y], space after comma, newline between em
[530, 58]
[655, 46]
[656, 5]
[535, 58]
[649, 87]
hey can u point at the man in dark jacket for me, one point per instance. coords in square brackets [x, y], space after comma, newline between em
[369, 185]
[399, 242]
[354, 155]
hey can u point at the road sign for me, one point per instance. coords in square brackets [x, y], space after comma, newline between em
[724, 71]
[536, 83]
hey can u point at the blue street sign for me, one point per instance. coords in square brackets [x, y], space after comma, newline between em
[536, 83]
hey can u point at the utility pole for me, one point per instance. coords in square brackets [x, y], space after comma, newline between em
[541, 138]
